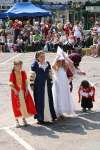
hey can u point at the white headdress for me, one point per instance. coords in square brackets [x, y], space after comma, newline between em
[60, 54]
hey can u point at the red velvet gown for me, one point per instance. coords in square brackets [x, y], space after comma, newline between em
[30, 105]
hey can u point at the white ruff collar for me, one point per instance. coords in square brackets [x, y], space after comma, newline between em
[43, 66]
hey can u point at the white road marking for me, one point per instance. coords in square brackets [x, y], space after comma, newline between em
[90, 121]
[5, 128]
[19, 139]
[91, 62]
[6, 61]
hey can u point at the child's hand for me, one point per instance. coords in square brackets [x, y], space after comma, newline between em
[80, 72]
[83, 73]
[79, 101]
[16, 92]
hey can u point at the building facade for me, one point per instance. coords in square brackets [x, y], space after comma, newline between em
[6, 4]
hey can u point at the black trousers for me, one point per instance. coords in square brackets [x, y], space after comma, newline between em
[86, 103]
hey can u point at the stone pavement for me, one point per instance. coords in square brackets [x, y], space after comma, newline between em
[80, 133]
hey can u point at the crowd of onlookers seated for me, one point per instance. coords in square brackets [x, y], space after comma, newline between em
[18, 36]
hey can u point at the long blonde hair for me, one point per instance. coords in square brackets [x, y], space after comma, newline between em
[16, 62]
[56, 66]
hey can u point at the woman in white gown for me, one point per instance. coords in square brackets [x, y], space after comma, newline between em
[63, 102]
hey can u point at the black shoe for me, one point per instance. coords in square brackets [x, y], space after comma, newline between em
[48, 123]
[41, 122]
[89, 109]
[84, 109]
[54, 120]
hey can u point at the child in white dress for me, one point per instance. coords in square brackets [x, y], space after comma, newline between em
[63, 102]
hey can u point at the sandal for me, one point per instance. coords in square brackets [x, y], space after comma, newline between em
[24, 122]
[17, 124]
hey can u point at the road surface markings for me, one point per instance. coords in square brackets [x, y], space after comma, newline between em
[78, 115]
[90, 121]
[6, 61]
[91, 63]
[19, 139]
[26, 145]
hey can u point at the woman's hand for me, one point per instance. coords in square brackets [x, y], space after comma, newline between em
[78, 101]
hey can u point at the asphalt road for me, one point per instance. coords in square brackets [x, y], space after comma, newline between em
[80, 133]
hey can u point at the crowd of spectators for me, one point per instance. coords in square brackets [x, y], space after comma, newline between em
[18, 35]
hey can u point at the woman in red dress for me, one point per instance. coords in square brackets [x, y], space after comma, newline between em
[22, 102]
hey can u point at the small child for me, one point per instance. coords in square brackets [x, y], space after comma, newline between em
[86, 95]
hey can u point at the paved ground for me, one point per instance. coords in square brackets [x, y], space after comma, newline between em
[81, 133]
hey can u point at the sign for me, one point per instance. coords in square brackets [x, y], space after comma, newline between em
[54, 6]
[93, 9]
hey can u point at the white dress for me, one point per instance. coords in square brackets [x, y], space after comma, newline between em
[63, 102]
[47, 114]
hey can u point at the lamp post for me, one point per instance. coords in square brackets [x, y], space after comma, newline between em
[77, 6]
[67, 10]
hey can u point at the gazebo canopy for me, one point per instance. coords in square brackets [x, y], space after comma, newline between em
[25, 9]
